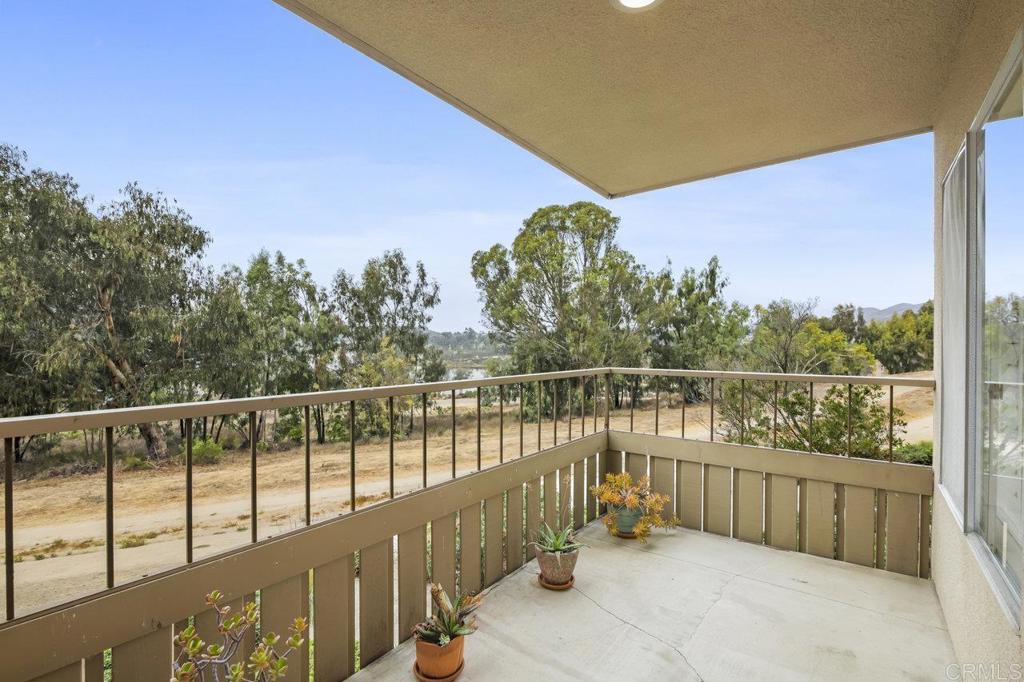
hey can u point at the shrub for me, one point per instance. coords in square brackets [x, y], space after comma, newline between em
[914, 453]
[132, 540]
[135, 463]
[206, 451]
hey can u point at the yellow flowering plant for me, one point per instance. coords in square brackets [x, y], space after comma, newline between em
[623, 495]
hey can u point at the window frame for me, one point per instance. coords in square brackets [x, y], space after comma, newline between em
[1009, 599]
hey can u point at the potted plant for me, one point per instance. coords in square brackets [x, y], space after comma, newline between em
[197, 661]
[634, 507]
[557, 551]
[439, 640]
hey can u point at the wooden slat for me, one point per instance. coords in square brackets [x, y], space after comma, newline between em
[662, 475]
[493, 546]
[564, 496]
[442, 552]
[590, 482]
[92, 669]
[533, 515]
[551, 499]
[817, 518]
[902, 542]
[748, 505]
[469, 549]
[412, 580]
[780, 521]
[579, 494]
[71, 673]
[880, 529]
[280, 604]
[376, 601]
[636, 465]
[717, 500]
[858, 539]
[334, 600]
[690, 497]
[925, 549]
[146, 659]
[514, 521]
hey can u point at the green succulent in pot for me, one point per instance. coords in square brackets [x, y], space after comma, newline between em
[440, 638]
[557, 550]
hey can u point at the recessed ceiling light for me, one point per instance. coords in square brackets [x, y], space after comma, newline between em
[634, 5]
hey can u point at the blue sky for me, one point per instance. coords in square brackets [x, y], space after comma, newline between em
[273, 134]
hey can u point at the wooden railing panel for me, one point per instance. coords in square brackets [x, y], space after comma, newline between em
[817, 517]
[280, 604]
[412, 580]
[533, 514]
[662, 475]
[514, 521]
[71, 673]
[334, 619]
[592, 476]
[748, 505]
[924, 550]
[146, 659]
[376, 601]
[469, 549]
[717, 500]
[636, 465]
[551, 499]
[92, 668]
[690, 498]
[858, 540]
[493, 542]
[565, 495]
[901, 539]
[442, 552]
[780, 522]
[579, 495]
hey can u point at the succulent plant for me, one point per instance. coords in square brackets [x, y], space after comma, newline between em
[197, 661]
[620, 492]
[449, 620]
[557, 540]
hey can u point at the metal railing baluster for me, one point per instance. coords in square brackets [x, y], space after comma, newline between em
[554, 410]
[849, 420]
[352, 455]
[309, 510]
[743, 410]
[252, 475]
[188, 491]
[522, 402]
[657, 403]
[424, 440]
[391, 447]
[682, 408]
[540, 410]
[712, 409]
[891, 396]
[108, 463]
[810, 418]
[775, 417]
[454, 425]
[501, 423]
[479, 448]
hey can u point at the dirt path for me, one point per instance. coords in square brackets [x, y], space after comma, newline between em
[59, 527]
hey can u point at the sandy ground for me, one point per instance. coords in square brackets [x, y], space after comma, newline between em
[59, 527]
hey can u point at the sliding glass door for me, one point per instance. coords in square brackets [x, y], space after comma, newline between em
[1000, 425]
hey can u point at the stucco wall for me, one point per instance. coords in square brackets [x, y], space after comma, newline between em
[980, 629]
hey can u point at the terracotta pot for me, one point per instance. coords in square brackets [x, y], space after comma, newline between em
[439, 662]
[556, 568]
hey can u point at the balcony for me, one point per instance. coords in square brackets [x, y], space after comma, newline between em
[795, 565]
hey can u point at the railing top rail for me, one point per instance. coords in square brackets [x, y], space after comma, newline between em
[24, 427]
[888, 380]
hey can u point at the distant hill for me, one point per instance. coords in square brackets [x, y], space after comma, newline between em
[884, 314]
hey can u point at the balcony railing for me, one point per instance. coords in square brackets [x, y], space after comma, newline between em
[467, 532]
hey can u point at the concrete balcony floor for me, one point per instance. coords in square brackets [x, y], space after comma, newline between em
[695, 606]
